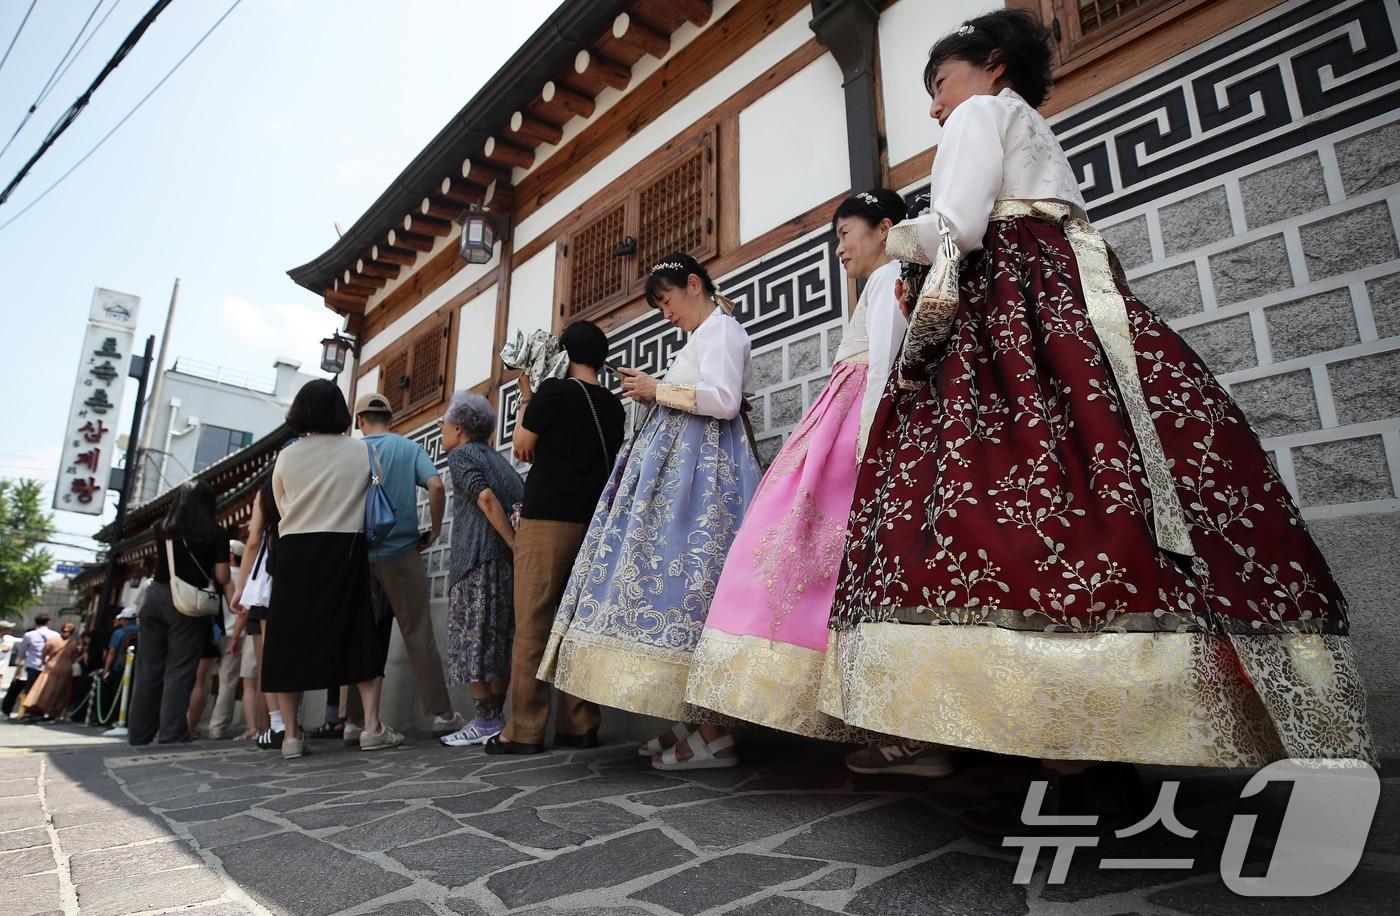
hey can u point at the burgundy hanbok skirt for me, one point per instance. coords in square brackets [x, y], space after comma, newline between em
[1003, 587]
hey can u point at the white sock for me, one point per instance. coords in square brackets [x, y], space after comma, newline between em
[275, 718]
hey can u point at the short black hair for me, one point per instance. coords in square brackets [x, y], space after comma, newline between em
[41, 619]
[673, 272]
[192, 514]
[871, 206]
[585, 343]
[1012, 37]
[319, 407]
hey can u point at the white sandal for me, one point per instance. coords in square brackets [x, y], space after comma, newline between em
[704, 755]
[654, 746]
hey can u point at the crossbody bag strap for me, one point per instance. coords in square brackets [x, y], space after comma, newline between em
[195, 560]
[598, 424]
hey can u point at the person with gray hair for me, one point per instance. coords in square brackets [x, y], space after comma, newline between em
[481, 583]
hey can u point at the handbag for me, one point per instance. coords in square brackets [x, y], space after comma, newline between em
[379, 509]
[189, 599]
[258, 590]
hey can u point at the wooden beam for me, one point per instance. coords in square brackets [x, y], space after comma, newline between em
[482, 173]
[337, 301]
[440, 207]
[460, 191]
[594, 73]
[390, 255]
[634, 34]
[502, 325]
[426, 225]
[400, 239]
[376, 269]
[506, 155]
[500, 197]
[357, 289]
[353, 279]
[555, 100]
[697, 11]
[727, 175]
[529, 131]
[712, 50]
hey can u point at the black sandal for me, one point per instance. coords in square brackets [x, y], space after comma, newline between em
[494, 746]
[588, 739]
[328, 730]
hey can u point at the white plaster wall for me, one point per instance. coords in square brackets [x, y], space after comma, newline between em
[476, 331]
[532, 294]
[787, 38]
[430, 303]
[907, 31]
[792, 148]
[368, 382]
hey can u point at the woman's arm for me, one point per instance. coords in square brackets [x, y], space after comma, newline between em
[221, 576]
[255, 528]
[719, 393]
[495, 513]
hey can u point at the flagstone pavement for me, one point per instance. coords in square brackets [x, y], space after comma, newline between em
[215, 829]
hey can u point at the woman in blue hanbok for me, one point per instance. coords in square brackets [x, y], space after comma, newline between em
[641, 587]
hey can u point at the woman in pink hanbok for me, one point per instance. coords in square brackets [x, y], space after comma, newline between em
[760, 656]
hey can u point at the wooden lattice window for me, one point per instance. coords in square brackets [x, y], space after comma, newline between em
[671, 212]
[1086, 30]
[413, 375]
[670, 207]
[597, 275]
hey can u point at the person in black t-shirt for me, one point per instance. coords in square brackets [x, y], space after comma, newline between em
[570, 431]
[170, 642]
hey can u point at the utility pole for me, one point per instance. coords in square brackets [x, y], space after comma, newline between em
[141, 371]
[139, 467]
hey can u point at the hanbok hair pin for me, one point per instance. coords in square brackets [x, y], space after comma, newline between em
[668, 265]
[869, 198]
[965, 29]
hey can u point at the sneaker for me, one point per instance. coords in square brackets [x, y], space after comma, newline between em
[293, 748]
[446, 725]
[377, 741]
[271, 740]
[931, 761]
[477, 731]
[352, 734]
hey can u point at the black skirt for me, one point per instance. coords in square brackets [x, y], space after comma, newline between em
[321, 625]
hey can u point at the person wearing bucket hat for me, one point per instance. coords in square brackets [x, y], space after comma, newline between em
[396, 564]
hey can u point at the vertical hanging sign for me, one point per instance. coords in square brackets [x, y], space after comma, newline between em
[90, 437]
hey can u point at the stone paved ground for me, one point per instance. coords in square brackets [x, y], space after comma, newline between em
[92, 826]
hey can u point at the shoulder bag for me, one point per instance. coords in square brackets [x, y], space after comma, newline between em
[190, 599]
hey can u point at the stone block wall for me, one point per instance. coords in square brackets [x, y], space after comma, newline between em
[1285, 277]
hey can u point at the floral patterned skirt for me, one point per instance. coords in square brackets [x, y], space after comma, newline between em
[481, 624]
[761, 654]
[641, 587]
[1003, 587]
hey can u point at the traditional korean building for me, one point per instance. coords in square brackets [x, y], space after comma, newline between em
[1240, 156]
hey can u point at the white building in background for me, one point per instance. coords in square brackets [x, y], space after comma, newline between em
[208, 412]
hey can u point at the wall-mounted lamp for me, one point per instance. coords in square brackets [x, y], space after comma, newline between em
[478, 242]
[333, 350]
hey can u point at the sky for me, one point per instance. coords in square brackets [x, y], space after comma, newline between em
[292, 117]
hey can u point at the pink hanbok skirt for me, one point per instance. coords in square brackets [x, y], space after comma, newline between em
[761, 654]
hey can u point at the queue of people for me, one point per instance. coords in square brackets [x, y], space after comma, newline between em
[1022, 518]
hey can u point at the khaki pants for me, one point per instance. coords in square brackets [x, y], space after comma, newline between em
[227, 700]
[544, 557]
[404, 582]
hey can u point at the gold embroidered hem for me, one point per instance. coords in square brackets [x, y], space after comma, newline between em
[764, 682]
[1176, 699]
[617, 672]
[677, 397]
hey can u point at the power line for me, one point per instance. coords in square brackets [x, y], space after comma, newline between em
[32, 4]
[49, 83]
[69, 116]
[100, 23]
[4, 195]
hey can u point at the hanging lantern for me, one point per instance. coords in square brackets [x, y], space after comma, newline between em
[333, 350]
[478, 242]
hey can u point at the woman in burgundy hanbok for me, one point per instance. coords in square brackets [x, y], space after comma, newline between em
[1066, 542]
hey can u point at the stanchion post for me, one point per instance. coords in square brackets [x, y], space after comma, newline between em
[124, 697]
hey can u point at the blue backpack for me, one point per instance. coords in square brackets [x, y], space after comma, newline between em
[379, 509]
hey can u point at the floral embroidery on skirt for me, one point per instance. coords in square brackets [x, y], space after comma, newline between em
[1009, 492]
[481, 624]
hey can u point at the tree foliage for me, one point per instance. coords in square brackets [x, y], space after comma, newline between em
[24, 559]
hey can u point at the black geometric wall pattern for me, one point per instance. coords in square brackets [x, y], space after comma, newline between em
[1309, 69]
